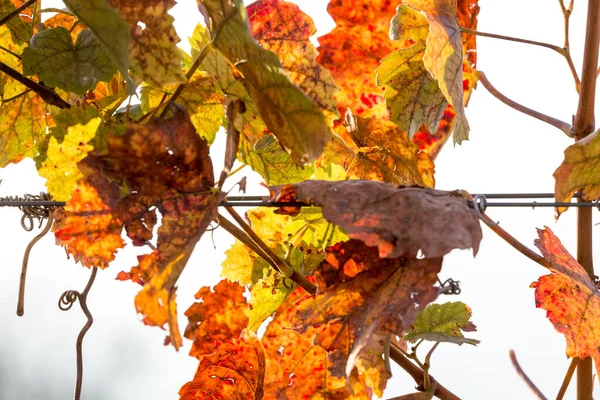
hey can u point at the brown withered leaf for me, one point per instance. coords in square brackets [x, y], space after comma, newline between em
[163, 165]
[218, 317]
[236, 371]
[399, 221]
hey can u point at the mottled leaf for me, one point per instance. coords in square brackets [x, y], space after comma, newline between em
[289, 114]
[281, 27]
[235, 371]
[570, 297]
[399, 221]
[163, 164]
[110, 29]
[580, 170]
[218, 317]
[58, 62]
[443, 323]
[19, 30]
[68, 143]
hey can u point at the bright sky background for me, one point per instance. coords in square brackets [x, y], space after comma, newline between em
[508, 152]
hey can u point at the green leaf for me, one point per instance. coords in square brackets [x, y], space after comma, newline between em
[274, 164]
[75, 68]
[443, 323]
[19, 30]
[67, 145]
[289, 114]
[267, 294]
[112, 32]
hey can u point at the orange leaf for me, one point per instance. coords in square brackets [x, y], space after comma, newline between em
[399, 221]
[218, 317]
[236, 371]
[570, 297]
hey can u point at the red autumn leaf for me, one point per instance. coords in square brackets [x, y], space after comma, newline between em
[218, 317]
[346, 313]
[399, 221]
[162, 165]
[236, 371]
[570, 297]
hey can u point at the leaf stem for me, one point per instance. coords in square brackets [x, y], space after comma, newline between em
[417, 373]
[567, 380]
[16, 12]
[567, 129]
[188, 76]
[427, 365]
[47, 94]
[263, 251]
[524, 376]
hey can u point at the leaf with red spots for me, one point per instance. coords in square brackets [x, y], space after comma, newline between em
[235, 371]
[399, 221]
[383, 153]
[352, 52]
[570, 297]
[218, 317]
[281, 27]
[162, 165]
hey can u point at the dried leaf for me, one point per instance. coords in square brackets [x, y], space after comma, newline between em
[235, 371]
[218, 317]
[570, 297]
[399, 221]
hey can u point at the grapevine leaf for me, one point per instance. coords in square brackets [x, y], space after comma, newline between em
[570, 297]
[110, 29]
[385, 153]
[235, 371]
[162, 164]
[296, 367]
[580, 170]
[443, 56]
[371, 365]
[219, 316]
[412, 95]
[68, 21]
[19, 30]
[352, 52]
[155, 57]
[59, 63]
[281, 27]
[274, 164]
[200, 96]
[468, 10]
[443, 323]
[67, 144]
[399, 221]
[289, 114]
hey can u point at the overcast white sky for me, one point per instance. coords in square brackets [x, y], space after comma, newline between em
[508, 152]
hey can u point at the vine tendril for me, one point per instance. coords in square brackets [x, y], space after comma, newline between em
[66, 301]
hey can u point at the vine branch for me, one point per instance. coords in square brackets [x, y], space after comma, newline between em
[567, 11]
[65, 303]
[16, 12]
[524, 376]
[567, 380]
[558, 49]
[567, 129]
[47, 94]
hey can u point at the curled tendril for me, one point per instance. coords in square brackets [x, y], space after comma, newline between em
[66, 301]
[480, 205]
[450, 287]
